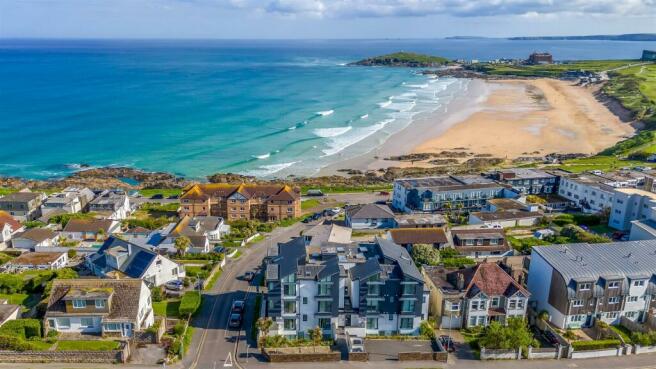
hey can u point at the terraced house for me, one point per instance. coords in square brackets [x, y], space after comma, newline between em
[578, 284]
[354, 289]
[245, 201]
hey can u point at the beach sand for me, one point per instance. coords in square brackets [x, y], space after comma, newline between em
[530, 117]
[504, 119]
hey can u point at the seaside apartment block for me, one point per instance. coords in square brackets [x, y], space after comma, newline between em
[467, 192]
[364, 289]
[244, 201]
[527, 181]
[578, 284]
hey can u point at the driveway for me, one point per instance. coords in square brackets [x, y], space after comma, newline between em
[383, 350]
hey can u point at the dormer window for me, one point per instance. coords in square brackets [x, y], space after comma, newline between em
[101, 304]
[614, 284]
[585, 286]
[639, 283]
[79, 304]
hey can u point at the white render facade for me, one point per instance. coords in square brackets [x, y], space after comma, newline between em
[592, 197]
[631, 204]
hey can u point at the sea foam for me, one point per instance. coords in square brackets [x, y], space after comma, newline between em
[331, 132]
[325, 112]
[339, 143]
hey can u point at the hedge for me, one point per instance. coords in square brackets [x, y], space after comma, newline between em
[13, 343]
[595, 345]
[189, 303]
[22, 328]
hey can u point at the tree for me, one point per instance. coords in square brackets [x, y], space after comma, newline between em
[425, 254]
[263, 325]
[316, 335]
[182, 243]
[511, 336]
[100, 234]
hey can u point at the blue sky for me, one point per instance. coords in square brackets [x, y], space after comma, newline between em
[321, 18]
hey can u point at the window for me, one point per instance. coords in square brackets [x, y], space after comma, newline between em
[482, 320]
[611, 315]
[100, 304]
[304, 300]
[305, 317]
[406, 323]
[372, 323]
[632, 299]
[86, 322]
[325, 306]
[64, 323]
[455, 306]
[512, 304]
[494, 241]
[51, 323]
[639, 283]
[79, 304]
[408, 289]
[613, 300]
[324, 323]
[472, 321]
[112, 327]
[614, 284]
[584, 286]
[289, 307]
[372, 305]
[289, 324]
[408, 306]
[576, 318]
[390, 316]
[630, 314]
[324, 288]
[577, 303]
[373, 289]
[495, 302]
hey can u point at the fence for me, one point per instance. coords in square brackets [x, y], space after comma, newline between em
[506, 354]
[544, 353]
[588, 354]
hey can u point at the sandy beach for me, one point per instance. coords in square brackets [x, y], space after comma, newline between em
[505, 119]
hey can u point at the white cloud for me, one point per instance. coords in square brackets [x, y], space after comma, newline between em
[462, 8]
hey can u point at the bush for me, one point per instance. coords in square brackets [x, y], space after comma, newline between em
[563, 219]
[179, 328]
[13, 343]
[425, 255]
[189, 303]
[22, 328]
[71, 254]
[595, 345]
[214, 256]
[11, 283]
[644, 339]
[426, 330]
[156, 294]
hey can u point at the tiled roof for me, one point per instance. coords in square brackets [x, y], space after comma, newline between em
[490, 279]
[429, 236]
[271, 192]
[20, 197]
[37, 234]
[6, 218]
[37, 258]
[125, 300]
[88, 225]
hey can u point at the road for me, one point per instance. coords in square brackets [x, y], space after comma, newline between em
[213, 340]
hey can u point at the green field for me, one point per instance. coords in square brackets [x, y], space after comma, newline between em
[168, 308]
[6, 191]
[166, 192]
[89, 345]
[347, 189]
[551, 70]
[24, 299]
[600, 162]
[635, 88]
[309, 204]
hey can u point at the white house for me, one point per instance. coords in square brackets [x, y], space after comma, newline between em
[31, 238]
[37, 261]
[110, 307]
[578, 284]
[590, 192]
[120, 258]
[113, 205]
[631, 204]
[8, 227]
[90, 229]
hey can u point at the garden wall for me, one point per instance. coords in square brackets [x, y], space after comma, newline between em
[97, 357]
[510, 354]
[588, 354]
[544, 353]
[644, 349]
[301, 354]
[358, 356]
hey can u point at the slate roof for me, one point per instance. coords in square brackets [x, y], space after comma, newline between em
[631, 259]
[88, 225]
[136, 263]
[477, 233]
[37, 234]
[400, 255]
[125, 299]
[6, 310]
[429, 236]
[367, 211]
[366, 269]
[20, 197]
[449, 183]
[289, 254]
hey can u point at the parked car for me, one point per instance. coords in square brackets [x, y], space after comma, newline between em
[235, 321]
[238, 307]
[249, 276]
[383, 193]
[307, 220]
[315, 193]
[176, 285]
[447, 343]
[157, 196]
[357, 344]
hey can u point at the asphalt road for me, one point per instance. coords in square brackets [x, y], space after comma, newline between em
[213, 340]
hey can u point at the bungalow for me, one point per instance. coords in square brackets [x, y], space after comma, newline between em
[480, 242]
[370, 216]
[408, 237]
[89, 229]
[23, 205]
[37, 261]
[34, 237]
[8, 227]
[110, 307]
[118, 258]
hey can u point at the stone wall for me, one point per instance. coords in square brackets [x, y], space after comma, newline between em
[358, 356]
[96, 357]
[544, 353]
[423, 356]
[301, 354]
[511, 354]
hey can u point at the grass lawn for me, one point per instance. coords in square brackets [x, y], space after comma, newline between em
[41, 345]
[602, 229]
[27, 300]
[347, 189]
[309, 204]
[213, 280]
[623, 331]
[166, 192]
[193, 262]
[6, 191]
[91, 345]
[599, 162]
[167, 308]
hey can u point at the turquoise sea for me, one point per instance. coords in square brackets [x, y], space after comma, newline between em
[267, 108]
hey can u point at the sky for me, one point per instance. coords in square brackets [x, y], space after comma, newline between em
[321, 19]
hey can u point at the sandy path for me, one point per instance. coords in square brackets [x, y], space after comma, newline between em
[530, 117]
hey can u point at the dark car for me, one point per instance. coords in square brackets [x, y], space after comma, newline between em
[238, 307]
[249, 276]
[157, 196]
[235, 321]
[447, 343]
[307, 220]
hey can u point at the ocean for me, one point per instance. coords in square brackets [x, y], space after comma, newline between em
[193, 108]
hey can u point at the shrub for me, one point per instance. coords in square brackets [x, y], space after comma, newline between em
[13, 343]
[644, 339]
[179, 328]
[595, 345]
[189, 303]
[426, 330]
[11, 283]
[22, 328]
[156, 294]
[71, 253]
[424, 254]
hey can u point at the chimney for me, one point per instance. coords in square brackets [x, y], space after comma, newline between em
[460, 284]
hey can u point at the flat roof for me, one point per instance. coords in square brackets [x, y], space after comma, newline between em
[636, 191]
